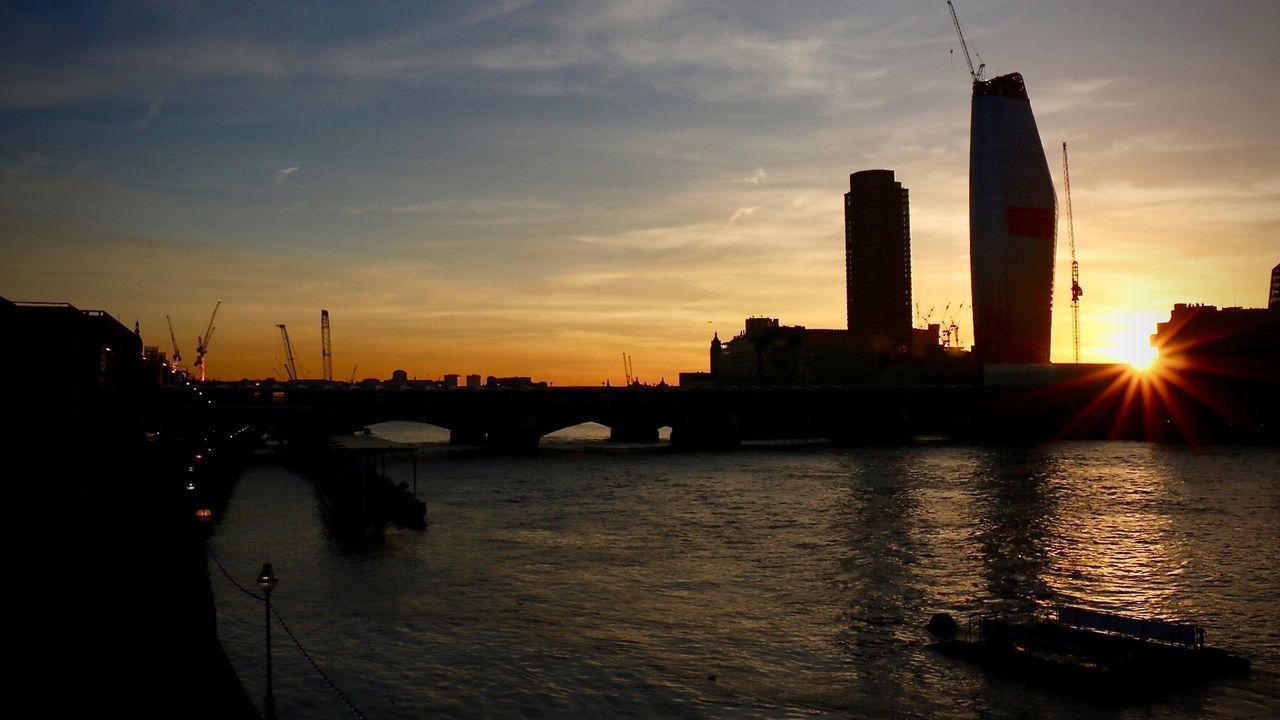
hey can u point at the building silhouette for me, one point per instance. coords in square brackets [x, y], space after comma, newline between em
[767, 352]
[877, 256]
[1273, 303]
[1012, 225]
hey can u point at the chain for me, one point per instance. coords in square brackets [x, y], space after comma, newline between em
[276, 612]
[354, 710]
[239, 587]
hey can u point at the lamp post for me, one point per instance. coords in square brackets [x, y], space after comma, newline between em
[267, 581]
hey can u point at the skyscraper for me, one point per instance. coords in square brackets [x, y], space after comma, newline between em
[877, 259]
[1012, 225]
[1273, 302]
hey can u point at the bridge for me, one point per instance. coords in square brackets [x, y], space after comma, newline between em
[1033, 403]
[711, 416]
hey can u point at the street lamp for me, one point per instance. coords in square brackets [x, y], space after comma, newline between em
[267, 581]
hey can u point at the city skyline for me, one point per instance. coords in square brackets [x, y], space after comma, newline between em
[534, 189]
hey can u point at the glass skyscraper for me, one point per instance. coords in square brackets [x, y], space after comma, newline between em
[1012, 226]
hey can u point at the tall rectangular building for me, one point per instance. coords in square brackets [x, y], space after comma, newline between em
[877, 259]
[1012, 226]
[1273, 302]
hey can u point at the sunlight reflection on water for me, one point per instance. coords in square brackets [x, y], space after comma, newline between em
[595, 581]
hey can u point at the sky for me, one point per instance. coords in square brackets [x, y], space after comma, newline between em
[537, 188]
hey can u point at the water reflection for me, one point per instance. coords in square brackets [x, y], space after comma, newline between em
[1017, 517]
[753, 584]
[886, 568]
[1117, 551]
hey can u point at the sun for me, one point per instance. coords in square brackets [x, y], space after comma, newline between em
[1136, 351]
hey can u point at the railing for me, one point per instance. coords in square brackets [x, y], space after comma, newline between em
[1153, 630]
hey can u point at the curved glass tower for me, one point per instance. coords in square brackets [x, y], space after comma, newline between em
[1012, 225]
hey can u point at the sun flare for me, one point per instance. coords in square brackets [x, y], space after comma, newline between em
[1134, 351]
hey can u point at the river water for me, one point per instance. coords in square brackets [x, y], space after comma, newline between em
[596, 580]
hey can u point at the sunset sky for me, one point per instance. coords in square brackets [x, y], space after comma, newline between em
[535, 188]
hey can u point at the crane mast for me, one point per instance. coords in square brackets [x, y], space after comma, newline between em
[977, 75]
[1076, 290]
[177, 356]
[202, 342]
[326, 346]
[290, 367]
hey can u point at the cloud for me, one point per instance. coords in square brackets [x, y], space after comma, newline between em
[493, 208]
[32, 160]
[743, 212]
[283, 174]
[153, 110]
[756, 177]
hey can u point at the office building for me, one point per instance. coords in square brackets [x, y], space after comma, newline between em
[1273, 303]
[877, 252]
[1012, 225]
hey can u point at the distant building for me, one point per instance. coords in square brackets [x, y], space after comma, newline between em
[1012, 225]
[926, 340]
[1274, 302]
[513, 382]
[1230, 339]
[877, 258]
[451, 381]
[474, 381]
[399, 376]
[769, 353]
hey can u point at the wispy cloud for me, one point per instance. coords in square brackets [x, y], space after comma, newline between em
[756, 177]
[283, 174]
[743, 212]
[487, 207]
[153, 110]
[32, 160]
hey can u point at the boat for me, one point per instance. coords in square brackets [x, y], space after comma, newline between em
[1086, 651]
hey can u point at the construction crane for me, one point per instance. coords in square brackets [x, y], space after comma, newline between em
[202, 342]
[326, 346]
[627, 369]
[290, 367]
[980, 74]
[1076, 290]
[952, 331]
[924, 319]
[177, 356]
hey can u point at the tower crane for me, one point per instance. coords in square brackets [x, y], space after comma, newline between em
[1076, 290]
[202, 342]
[326, 346]
[924, 319]
[290, 367]
[952, 332]
[980, 74]
[177, 355]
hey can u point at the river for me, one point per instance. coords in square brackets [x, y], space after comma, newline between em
[622, 581]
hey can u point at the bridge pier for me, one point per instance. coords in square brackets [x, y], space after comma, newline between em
[719, 431]
[466, 435]
[513, 439]
[633, 433]
[517, 433]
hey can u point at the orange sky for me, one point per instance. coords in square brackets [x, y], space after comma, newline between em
[514, 189]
